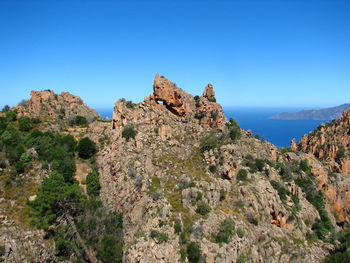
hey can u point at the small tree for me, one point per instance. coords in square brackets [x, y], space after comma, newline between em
[208, 142]
[78, 121]
[24, 124]
[242, 175]
[86, 148]
[225, 232]
[203, 208]
[6, 108]
[193, 252]
[129, 132]
[93, 184]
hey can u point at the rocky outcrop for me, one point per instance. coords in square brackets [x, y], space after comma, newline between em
[47, 105]
[173, 98]
[330, 142]
[166, 100]
[208, 92]
[161, 177]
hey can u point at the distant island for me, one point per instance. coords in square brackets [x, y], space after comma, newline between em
[321, 114]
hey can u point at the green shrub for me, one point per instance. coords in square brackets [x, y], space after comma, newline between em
[93, 184]
[254, 165]
[199, 115]
[11, 136]
[282, 191]
[341, 152]
[86, 148]
[212, 168]
[110, 250]
[241, 259]
[240, 232]
[212, 99]
[129, 132]
[234, 131]
[78, 121]
[193, 252]
[63, 247]
[209, 142]
[11, 115]
[53, 194]
[242, 175]
[130, 105]
[203, 208]
[6, 108]
[225, 232]
[177, 227]
[160, 237]
[24, 124]
[222, 194]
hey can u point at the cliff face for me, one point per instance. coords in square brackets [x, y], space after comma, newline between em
[164, 177]
[331, 143]
[48, 105]
[181, 174]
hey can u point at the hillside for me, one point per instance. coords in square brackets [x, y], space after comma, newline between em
[169, 179]
[321, 114]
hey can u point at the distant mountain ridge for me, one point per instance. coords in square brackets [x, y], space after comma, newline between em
[322, 114]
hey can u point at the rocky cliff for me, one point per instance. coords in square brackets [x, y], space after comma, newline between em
[330, 142]
[183, 176]
[47, 105]
[192, 186]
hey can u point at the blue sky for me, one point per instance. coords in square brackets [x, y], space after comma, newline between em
[256, 53]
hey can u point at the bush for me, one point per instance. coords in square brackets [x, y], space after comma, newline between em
[282, 191]
[242, 175]
[110, 250]
[93, 184]
[203, 208]
[225, 232]
[86, 148]
[212, 99]
[212, 168]
[78, 121]
[24, 124]
[193, 252]
[160, 237]
[130, 104]
[240, 232]
[234, 131]
[254, 164]
[177, 227]
[10, 136]
[199, 115]
[129, 132]
[6, 108]
[208, 142]
[53, 194]
[11, 115]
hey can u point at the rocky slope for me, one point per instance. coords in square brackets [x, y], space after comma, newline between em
[173, 190]
[321, 114]
[47, 105]
[192, 186]
[330, 142]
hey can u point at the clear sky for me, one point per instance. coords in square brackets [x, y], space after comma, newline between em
[277, 53]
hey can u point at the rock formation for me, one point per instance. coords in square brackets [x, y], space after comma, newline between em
[48, 105]
[331, 143]
[209, 92]
[168, 98]
[181, 176]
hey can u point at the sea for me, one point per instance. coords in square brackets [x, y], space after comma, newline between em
[278, 132]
